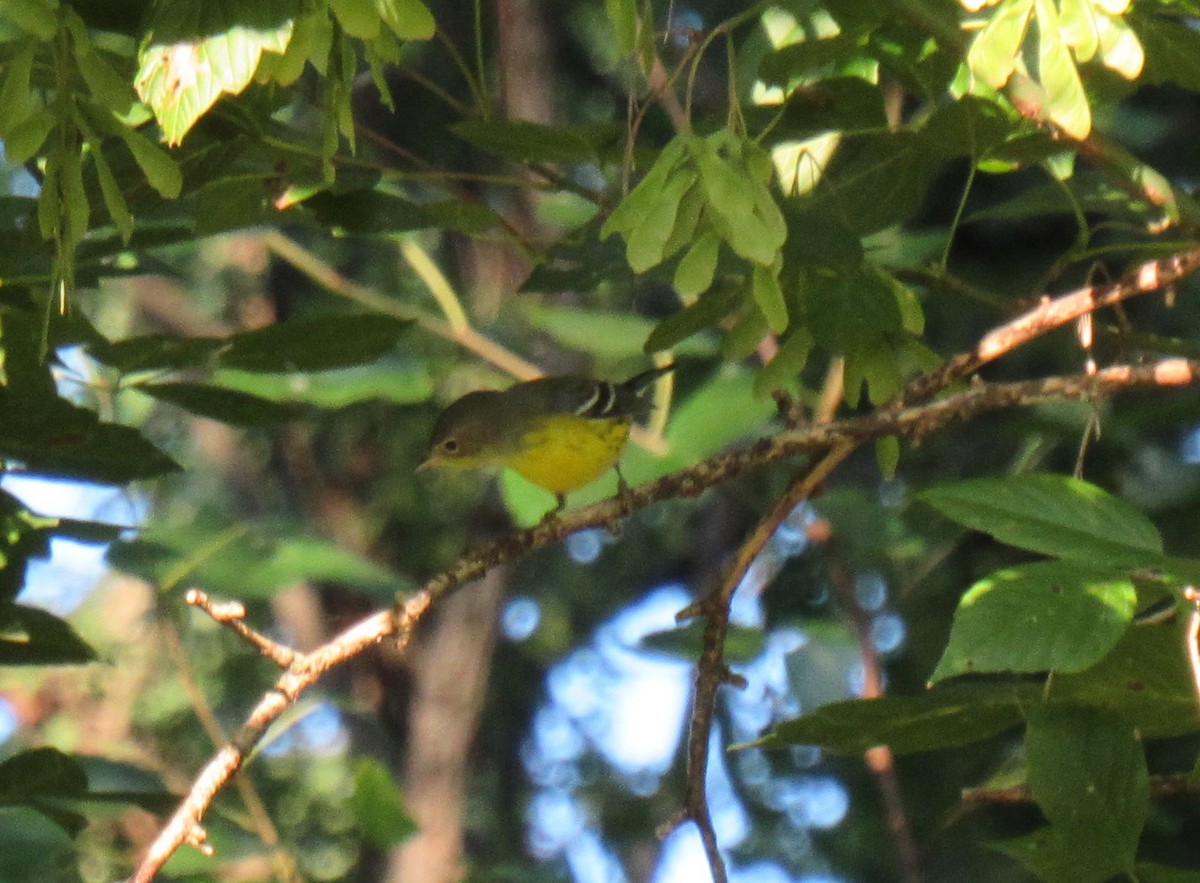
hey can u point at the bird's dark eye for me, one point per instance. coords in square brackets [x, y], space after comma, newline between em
[450, 446]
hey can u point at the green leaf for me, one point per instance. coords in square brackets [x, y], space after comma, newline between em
[836, 104]
[624, 17]
[359, 18]
[1049, 616]
[378, 805]
[1087, 771]
[16, 94]
[1086, 191]
[155, 352]
[993, 53]
[687, 221]
[645, 244]
[40, 773]
[109, 88]
[314, 343]
[30, 636]
[769, 297]
[233, 203]
[850, 310]
[607, 335]
[887, 456]
[156, 164]
[945, 717]
[803, 59]
[28, 136]
[1051, 514]
[705, 314]
[527, 142]
[741, 208]
[694, 274]
[783, 371]
[198, 50]
[110, 190]
[32, 847]
[645, 196]
[1067, 103]
[408, 19]
[251, 561]
[1120, 49]
[874, 180]
[386, 381]
[368, 211]
[971, 126]
[37, 17]
[52, 436]
[744, 335]
[226, 405]
[73, 199]
[1172, 49]
[1077, 25]
[1055, 859]
[1145, 680]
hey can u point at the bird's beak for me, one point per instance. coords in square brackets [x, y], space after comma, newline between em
[432, 462]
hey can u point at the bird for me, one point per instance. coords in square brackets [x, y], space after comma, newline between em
[559, 432]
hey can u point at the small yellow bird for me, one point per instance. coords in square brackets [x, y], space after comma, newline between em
[560, 433]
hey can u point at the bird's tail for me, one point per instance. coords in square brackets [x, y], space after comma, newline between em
[631, 396]
[638, 383]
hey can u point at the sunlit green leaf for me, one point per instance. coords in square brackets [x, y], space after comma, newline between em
[1049, 616]
[993, 52]
[1067, 102]
[199, 50]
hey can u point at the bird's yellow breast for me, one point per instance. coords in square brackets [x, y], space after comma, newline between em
[563, 453]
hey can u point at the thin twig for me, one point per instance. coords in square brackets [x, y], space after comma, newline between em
[1164, 786]
[1192, 637]
[879, 758]
[231, 615]
[264, 826]
[711, 671]
[1052, 313]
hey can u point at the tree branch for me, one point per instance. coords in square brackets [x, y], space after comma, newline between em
[1053, 313]
[831, 443]
[879, 758]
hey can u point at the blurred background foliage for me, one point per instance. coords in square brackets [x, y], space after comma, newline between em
[250, 250]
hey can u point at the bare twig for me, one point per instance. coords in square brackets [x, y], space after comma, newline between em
[711, 671]
[879, 758]
[1172, 785]
[281, 860]
[230, 614]
[1052, 313]
[1192, 637]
